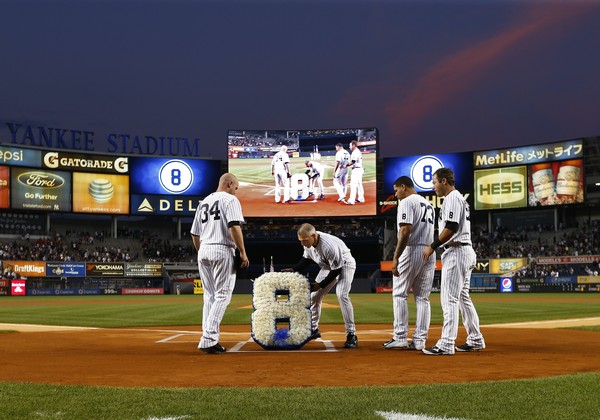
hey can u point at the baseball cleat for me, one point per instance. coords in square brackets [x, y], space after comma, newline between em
[395, 344]
[351, 341]
[311, 194]
[349, 203]
[342, 199]
[436, 351]
[413, 346]
[315, 334]
[216, 349]
[468, 347]
[322, 197]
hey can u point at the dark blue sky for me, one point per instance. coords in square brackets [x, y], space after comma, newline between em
[433, 76]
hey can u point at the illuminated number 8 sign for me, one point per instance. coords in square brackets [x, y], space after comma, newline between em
[270, 313]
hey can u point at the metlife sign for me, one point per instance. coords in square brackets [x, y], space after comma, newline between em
[529, 154]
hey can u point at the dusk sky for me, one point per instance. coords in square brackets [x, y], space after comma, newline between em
[433, 76]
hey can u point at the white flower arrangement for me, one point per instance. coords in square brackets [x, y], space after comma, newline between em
[268, 311]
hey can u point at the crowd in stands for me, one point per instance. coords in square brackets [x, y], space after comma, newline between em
[149, 245]
[537, 241]
[68, 247]
[258, 139]
[155, 246]
[24, 224]
[282, 229]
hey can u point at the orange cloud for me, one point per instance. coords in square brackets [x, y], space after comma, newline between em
[459, 71]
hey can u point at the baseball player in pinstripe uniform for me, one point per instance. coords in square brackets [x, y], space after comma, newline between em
[340, 172]
[216, 233]
[316, 173]
[458, 260]
[280, 169]
[357, 192]
[337, 267]
[415, 223]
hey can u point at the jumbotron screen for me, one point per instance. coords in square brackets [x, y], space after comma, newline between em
[310, 185]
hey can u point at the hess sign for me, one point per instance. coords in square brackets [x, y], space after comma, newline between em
[501, 188]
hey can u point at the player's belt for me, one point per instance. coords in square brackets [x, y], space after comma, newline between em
[455, 245]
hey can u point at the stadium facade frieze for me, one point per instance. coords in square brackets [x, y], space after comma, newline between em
[20, 134]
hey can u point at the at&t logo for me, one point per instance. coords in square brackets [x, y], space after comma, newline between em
[176, 176]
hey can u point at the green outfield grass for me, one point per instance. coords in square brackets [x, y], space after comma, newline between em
[563, 397]
[258, 171]
[136, 311]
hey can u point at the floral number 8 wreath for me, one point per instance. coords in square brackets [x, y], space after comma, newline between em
[269, 311]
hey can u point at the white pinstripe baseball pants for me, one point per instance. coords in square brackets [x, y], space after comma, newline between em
[457, 265]
[282, 182]
[418, 274]
[340, 182]
[215, 263]
[344, 283]
[357, 191]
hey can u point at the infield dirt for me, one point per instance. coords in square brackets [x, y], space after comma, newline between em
[168, 357]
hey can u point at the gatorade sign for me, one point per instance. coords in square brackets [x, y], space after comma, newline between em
[17, 287]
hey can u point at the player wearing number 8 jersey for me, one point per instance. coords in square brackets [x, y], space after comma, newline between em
[216, 233]
[458, 261]
[415, 222]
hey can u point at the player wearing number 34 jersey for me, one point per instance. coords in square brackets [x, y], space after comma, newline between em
[216, 233]
[458, 261]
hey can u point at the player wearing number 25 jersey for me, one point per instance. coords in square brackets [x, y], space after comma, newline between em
[216, 233]
[415, 222]
[458, 261]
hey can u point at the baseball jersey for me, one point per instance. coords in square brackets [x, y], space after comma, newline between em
[317, 168]
[213, 215]
[329, 253]
[279, 161]
[416, 211]
[456, 209]
[356, 157]
[343, 157]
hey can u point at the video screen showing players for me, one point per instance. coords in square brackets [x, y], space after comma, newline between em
[303, 173]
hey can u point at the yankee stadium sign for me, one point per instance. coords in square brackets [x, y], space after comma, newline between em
[74, 139]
